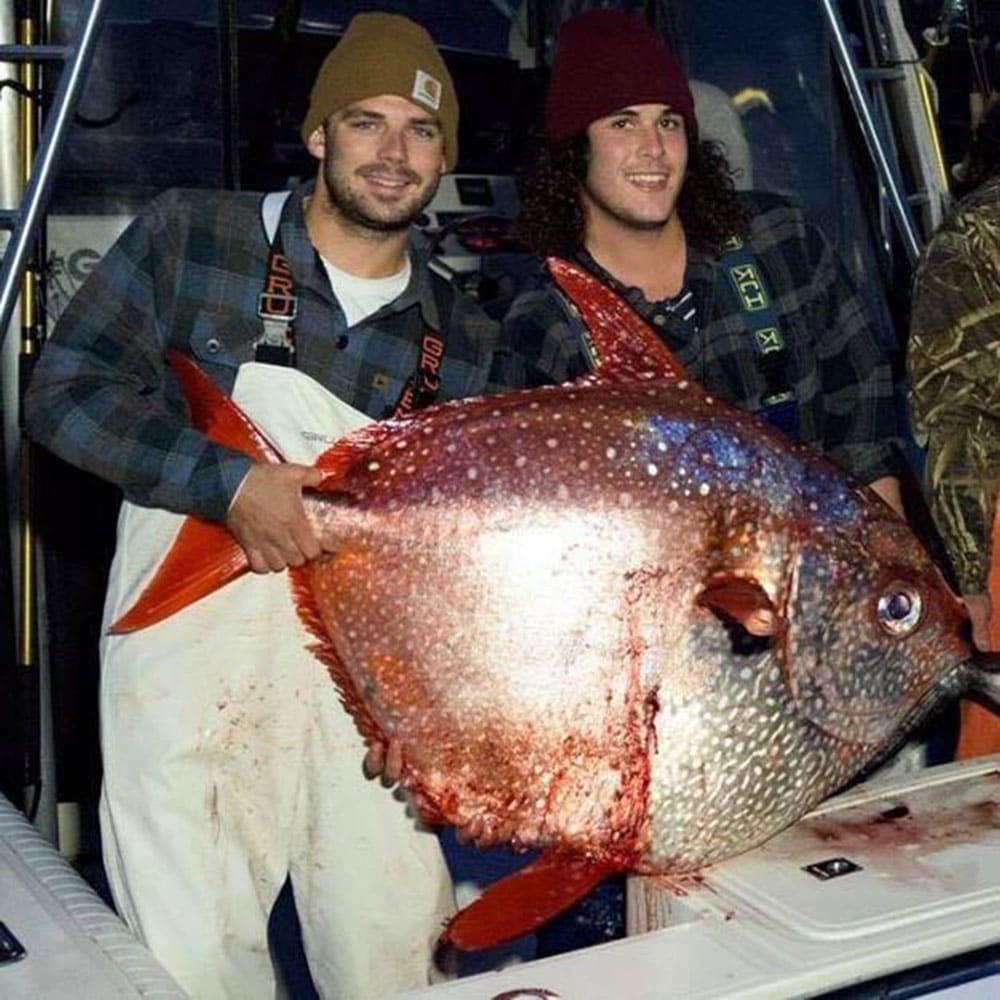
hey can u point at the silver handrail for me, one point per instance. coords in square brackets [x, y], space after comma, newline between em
[34, 201]
[888, 174]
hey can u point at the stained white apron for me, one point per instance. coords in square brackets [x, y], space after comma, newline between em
[229, 762]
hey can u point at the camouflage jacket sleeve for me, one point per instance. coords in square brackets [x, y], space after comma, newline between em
[101, 397]
[952, 359]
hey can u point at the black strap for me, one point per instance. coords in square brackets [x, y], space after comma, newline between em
[277, 304]
[424, 386]
[778, 404]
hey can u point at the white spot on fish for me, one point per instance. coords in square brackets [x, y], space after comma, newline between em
[584, 465]
[374, 466]
[610, 453]
[652, 469]
[661, 446]
[401, 444]
[704, 489]
[587, 425]
[472, 472]
[551, 443]
[521, 461]
[673, 506]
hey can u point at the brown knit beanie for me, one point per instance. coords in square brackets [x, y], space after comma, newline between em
[607, 60]
[385, 54]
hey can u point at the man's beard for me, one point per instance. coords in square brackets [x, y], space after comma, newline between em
[354, 208]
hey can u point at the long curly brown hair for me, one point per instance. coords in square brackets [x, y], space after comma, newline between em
[551, 220]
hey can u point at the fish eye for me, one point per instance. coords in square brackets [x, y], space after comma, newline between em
[899, 609]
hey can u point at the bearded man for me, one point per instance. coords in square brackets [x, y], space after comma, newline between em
[229, 763]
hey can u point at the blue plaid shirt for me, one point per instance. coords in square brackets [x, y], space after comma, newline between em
[187, 274]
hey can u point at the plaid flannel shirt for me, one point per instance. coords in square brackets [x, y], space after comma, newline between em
[187, 274]
[837, 368]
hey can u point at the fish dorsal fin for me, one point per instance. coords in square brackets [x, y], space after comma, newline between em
[522, 902]
[216, 415]
[625, 346]
[744, 601]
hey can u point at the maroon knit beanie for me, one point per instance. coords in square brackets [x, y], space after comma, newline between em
[610, 59]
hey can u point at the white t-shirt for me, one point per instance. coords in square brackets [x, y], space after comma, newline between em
[360, 297]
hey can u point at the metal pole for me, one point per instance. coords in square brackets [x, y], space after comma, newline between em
[30, 213]
[855, 88]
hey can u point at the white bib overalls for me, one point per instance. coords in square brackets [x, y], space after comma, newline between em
[229, 762]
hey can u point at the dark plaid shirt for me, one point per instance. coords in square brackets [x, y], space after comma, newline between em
[833, 361]
[187, 274]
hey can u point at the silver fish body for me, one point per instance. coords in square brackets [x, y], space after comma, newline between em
[628, 622]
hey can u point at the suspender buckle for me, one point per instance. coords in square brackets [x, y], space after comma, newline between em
[277, 345]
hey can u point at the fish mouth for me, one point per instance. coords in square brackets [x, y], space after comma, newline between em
[983, 676]
[958, 680]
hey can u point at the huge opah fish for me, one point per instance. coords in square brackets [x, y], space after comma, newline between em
[620, 621]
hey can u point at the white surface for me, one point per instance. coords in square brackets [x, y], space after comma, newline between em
[759, 928]
[75, 946]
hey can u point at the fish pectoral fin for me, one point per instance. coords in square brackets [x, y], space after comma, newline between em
[522, 902]
[744, 601]
[203, 558]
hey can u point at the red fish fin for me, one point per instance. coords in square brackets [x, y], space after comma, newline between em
[216, 415]
[522, 902]
[203, 558]
[624, 343]
[744, 602]
[322, 649]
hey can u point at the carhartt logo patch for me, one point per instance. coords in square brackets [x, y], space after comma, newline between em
[427, 89]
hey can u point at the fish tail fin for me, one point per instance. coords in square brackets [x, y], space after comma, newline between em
[624, 344]
[204, 556]
[522, 902]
